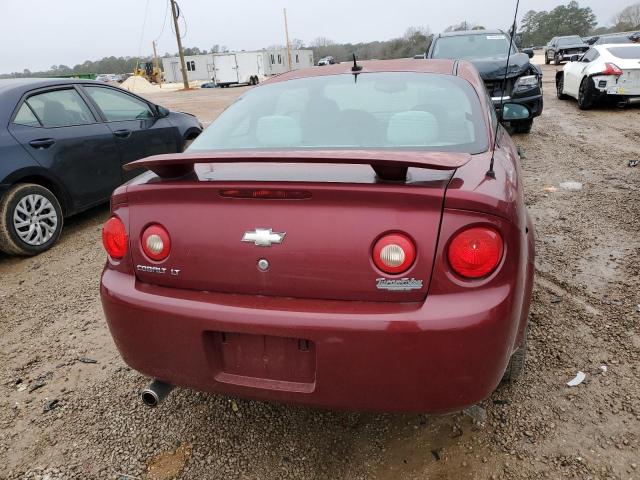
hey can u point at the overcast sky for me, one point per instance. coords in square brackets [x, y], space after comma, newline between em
[36, 34]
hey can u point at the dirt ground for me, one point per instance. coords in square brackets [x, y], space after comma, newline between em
[70, 408]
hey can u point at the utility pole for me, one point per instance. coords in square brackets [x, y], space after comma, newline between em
[156, 64]
[175, 13]
[286, 31]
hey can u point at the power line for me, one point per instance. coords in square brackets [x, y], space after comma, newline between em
[164, 22]
[144, 24]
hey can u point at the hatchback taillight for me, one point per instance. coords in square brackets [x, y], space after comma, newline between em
[114, 238]
[156, 243]
[475, 252]
[394, 253]
[611, 69]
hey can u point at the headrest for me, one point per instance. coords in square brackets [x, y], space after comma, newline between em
[278, 131]
[412, 128]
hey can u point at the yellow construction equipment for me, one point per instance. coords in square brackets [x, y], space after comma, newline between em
[149, 71]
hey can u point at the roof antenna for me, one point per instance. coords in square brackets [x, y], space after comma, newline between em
[491, 173]
[356, 67]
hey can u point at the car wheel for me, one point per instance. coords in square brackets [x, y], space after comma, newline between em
[556, 59]
[523, 126]
[30, 220]
[547, 60]
[516, 362]
[560, 88]
[585, 94]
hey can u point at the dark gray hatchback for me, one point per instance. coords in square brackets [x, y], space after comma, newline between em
[62, 147]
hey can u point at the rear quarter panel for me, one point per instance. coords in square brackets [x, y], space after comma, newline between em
[472, 190]
[13, 158]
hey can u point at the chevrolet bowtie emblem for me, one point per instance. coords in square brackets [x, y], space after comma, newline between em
[263, 237]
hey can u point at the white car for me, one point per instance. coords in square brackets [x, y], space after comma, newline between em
[609, 69]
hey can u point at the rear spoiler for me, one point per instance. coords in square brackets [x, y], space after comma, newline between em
[388, 165]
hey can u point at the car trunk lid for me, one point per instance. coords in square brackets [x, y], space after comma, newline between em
[327, 230]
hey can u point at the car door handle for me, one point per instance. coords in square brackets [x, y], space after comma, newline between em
[124, 133]
[42, 143]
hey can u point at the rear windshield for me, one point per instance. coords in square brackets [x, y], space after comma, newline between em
[616, 39]
[472, 46]
[371, 110]
[575, 40]
[627, 53]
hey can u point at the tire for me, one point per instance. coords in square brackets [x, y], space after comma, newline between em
[22, 234]
[557, 60]
[560, 88]
[522, 126]
[547, 60]
[516, 362]
[585, 94]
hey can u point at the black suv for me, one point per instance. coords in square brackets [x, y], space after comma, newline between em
[560, 49]
[487, 50]
[62, 147]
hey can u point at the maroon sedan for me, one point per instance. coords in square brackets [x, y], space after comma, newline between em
[342, 237]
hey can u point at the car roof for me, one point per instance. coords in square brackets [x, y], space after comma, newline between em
[470, 32]
[460, 68]
[604, 46]
[370, 66]
[26, 84]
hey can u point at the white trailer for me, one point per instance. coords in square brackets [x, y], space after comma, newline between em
[237, 68]
[232, 68]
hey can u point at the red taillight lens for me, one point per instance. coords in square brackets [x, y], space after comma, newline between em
[394, 253]
[475, 252]
[114, 238]
[156, 243]
[611, 69]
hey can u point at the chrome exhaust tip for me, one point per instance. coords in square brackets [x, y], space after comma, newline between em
[155, 393]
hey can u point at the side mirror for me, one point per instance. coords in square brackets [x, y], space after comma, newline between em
[162, 111]
[514, 111]
[574, 58]
[528, 51]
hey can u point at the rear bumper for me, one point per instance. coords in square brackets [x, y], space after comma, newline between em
[610, 85]
[441, 355]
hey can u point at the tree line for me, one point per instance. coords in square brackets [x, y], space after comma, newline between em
[537, 28]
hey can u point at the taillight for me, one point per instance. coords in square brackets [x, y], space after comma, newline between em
[156, 243]
[475, 252]
[114, 238]
[394, 253]
[611, 69]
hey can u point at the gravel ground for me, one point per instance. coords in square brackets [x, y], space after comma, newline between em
[69, 407]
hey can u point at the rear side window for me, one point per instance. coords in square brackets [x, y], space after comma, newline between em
[590, 56]
[26, 117]
[61, 108]
[397, 110]
[118, 106]
[626, 53]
